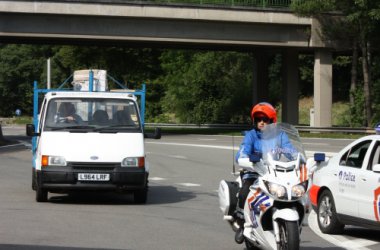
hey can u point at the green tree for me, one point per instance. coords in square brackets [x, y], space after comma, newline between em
[207, 87]
[357, 24]
[20, 65]
[127, 65]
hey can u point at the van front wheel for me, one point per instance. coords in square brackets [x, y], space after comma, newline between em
[34, 180]
[41, 194]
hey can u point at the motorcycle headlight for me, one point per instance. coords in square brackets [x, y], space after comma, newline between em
[133, 162]
[299, 190]
[49, 160]
[276, 190]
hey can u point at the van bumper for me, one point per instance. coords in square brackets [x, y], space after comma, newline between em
[66, 178]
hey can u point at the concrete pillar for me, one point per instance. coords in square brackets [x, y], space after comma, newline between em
[290, 87]
[260, 77]
[322, 88]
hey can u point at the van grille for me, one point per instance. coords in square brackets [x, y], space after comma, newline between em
[93, 166]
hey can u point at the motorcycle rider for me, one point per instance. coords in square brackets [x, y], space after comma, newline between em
[262, 114]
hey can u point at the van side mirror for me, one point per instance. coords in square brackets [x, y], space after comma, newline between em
[31, 130]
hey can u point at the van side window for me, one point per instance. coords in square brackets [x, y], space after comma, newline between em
[355, 156]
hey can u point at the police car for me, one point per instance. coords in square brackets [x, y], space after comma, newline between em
[346, 187]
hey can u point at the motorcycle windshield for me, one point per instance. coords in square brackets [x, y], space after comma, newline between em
[281, 142]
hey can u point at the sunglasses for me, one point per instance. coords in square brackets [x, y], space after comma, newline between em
[260, 119]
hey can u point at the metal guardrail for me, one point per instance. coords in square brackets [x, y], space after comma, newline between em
[247, 127]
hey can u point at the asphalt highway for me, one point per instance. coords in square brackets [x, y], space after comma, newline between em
[181, 213]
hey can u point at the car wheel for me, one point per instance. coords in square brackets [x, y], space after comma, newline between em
[328, 221]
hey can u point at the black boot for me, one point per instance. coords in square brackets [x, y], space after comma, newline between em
[239, 237]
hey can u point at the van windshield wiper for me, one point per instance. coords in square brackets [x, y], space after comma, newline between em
[81, 127]
[115, 128]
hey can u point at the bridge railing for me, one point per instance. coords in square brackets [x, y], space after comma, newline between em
[280, 4]
[237, 3]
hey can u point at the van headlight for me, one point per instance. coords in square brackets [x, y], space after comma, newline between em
[50, 160]
[133, 162]
[299, 190]
[276, 190]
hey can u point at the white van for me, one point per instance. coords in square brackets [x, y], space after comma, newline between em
[84, 140]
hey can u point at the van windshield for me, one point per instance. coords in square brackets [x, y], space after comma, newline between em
[92, 115]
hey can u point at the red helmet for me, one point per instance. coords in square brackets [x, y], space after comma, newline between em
[266, 109]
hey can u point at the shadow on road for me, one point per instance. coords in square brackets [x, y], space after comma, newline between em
[35, 247]
[156, 195]
[320, 248]
[168, 194]
[14, 143]
[362, 233]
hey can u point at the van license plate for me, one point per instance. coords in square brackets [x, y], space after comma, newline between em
[93, 177]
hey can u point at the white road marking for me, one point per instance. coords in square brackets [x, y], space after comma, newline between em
[157, 179]
[308, 153]
[170, 156]
[338, 240]
[178, 157]
[195, 145]
[315, 143]
[14, 145]
[189, 184]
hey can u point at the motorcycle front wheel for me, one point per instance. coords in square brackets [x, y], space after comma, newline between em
[289, 235]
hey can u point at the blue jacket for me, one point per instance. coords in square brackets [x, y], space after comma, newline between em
[252, 144]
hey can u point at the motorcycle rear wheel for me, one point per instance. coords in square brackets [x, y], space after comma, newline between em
[289, 235]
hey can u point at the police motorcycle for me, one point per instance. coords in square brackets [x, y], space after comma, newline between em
[277, 202]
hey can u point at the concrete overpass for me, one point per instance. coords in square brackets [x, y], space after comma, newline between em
[149, 25]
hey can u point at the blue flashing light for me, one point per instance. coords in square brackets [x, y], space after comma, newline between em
[377, 128]
[319, 157]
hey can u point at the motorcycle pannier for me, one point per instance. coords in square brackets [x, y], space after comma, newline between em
[228, 196]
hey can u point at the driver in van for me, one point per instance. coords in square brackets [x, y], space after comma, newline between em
[68, 114]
